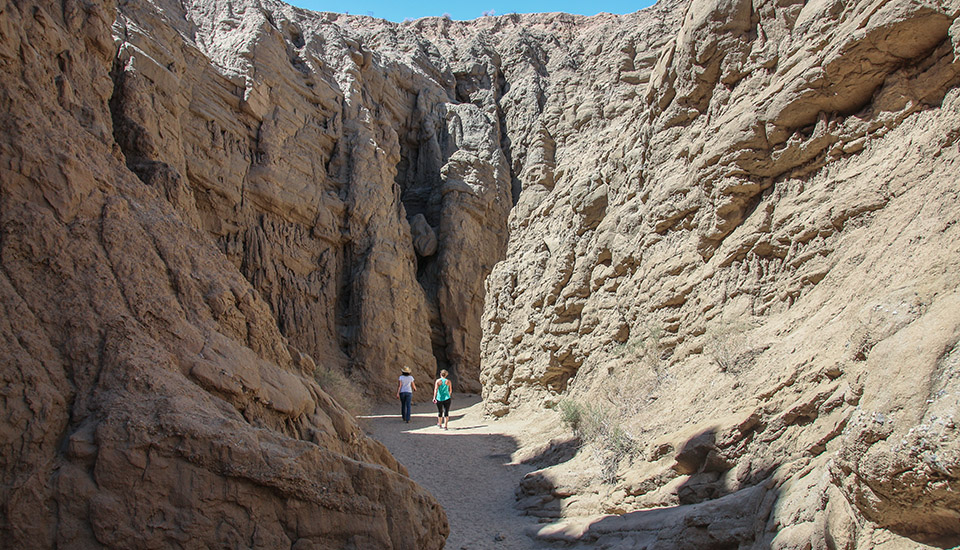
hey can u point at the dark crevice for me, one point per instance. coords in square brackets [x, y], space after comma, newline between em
[422, 154]
[135, 141]
[296, 37]
[505, 144]
[347, 321]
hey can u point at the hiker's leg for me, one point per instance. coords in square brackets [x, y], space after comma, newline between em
[405, 399]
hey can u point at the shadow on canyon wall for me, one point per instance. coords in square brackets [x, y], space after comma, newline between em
[714, 512]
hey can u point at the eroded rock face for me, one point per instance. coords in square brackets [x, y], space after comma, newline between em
[149, 398]
[739, 242]
[424, 237]
[730, 225]
[281, 133]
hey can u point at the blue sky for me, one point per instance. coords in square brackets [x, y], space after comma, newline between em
[398, 10]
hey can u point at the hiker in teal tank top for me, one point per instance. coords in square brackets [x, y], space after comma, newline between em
[442, 395]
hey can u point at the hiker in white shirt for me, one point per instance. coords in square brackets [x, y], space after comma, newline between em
[405, 389]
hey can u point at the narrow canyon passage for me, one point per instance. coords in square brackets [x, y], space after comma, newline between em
[468, 468]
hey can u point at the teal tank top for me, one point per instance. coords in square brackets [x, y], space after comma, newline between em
[443, 392]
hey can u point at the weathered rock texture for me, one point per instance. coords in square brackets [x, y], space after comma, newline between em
[732, 226]
[303, 152]
[149, 399]
[737, 237]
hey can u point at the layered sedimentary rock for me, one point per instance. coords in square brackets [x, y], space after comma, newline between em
[304, 152]
[149, 397]
[740, 245]
[731, 226]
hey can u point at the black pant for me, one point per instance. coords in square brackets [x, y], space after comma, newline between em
[443, 408]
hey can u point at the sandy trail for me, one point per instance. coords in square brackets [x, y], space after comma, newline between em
[468, 468]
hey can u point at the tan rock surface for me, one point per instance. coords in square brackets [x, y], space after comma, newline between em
[305, 149]
[749, 265]
[149, 399]
[731, 227]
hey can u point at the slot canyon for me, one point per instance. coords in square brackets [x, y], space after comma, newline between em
[709, 251]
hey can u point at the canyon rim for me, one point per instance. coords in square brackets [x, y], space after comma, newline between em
[725, 230]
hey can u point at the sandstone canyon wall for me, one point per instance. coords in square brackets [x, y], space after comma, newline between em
[742, 250]
[360, 203]
[729, 224]
[150, 399]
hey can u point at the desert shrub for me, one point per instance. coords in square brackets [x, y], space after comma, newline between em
[616, 446]
[629, 390]
[726, 353]
[633, 347]
[602, 428]
[343, 390]
[730, 348]
[571, 414]
[648, 346]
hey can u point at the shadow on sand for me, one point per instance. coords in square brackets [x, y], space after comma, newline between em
[469, 468]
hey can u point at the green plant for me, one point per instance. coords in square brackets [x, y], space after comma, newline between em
[616, 446]
[632, 347]
[571, 414]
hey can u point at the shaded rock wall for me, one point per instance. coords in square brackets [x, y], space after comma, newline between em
[304, 153]
[730, 225]
[149, 397]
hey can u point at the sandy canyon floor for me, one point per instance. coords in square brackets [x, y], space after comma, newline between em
[469, 468]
